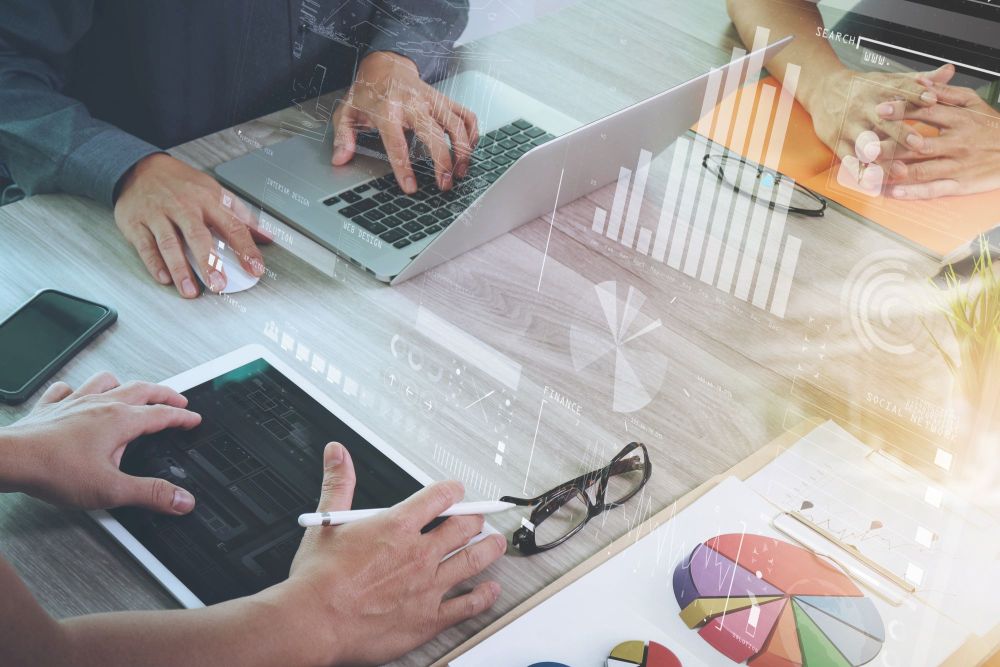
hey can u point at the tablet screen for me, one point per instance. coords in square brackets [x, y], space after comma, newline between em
[254, 464]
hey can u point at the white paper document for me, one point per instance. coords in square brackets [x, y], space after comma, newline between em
[632, 597]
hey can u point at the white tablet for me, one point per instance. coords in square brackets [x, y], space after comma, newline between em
[253, 464]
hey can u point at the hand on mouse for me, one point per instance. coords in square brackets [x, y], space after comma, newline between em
[368, 592]
[388, 95]
[68, 449]
[164, 204]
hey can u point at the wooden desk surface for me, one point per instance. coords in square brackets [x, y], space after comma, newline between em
[735, 375]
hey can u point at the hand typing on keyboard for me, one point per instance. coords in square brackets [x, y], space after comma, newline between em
[402, 217]
[388, 95]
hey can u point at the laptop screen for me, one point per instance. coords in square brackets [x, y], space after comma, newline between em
[923, 34]
[983, 9]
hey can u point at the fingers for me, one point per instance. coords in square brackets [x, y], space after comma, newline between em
[148, 393]
[903, 173]
[191, 222]
[869, 177]
[471, 560]
[461, 143]
[943, 96]
[151, 493]
[338, 479]
[56, 392]
[345, 136]
[931, 190]
[894, 110]
[940, 115]
[471, 122]
[427, 504]
[897, 170]
[394, 141]
[433, 137]
[235, 231]
[244, 215]
[172, 250]
[888, 148]
[867, 146]
[97, 384]
[260, 236]
[898, 131]
[464, 607]
[456, 532]
[252, 221]
[957, 96]
[146, 419]
[939, 77]
[917, 88]
[145, 244]
[883, 125]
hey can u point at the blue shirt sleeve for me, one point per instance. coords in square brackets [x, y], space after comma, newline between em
[49, 142]
[422, 30]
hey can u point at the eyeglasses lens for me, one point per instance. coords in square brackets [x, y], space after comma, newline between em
[626, 476]
[766, 186]
[568, 511]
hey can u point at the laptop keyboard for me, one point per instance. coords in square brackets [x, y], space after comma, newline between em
[381, 207]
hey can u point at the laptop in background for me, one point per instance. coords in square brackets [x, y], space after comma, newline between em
[530, 159]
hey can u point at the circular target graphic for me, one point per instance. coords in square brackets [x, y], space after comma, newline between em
[882, 296]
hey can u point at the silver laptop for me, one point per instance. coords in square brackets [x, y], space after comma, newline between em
[530, 159]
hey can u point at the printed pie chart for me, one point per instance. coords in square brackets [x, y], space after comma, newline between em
[769, 603]
[643, 654]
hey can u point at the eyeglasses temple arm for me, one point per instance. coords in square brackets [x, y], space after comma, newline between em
[584, 481]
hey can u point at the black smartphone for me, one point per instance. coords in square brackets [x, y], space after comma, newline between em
[42, 335]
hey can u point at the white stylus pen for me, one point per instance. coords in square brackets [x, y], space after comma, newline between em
[350, 516]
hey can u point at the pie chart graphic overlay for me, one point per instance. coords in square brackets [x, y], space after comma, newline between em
[644, 654]
[769, 603]
[623, 334]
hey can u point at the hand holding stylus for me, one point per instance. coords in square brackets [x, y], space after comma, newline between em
[382, 584]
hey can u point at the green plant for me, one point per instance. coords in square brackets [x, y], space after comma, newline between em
[972, 311]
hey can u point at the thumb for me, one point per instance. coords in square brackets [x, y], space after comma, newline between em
[338, 479]
[154, 494]
[344, 141]
[938, 77]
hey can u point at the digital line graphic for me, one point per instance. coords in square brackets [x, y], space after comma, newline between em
[705, 228]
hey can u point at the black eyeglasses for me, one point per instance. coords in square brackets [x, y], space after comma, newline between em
[763, 185]
[559, 514]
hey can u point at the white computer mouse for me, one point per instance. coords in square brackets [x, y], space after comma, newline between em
[224, 259]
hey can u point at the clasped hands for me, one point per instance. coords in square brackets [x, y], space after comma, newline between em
[871, 122]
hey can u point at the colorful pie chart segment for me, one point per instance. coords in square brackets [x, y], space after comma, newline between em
[644, 654]
[769, 603]
[710, 574]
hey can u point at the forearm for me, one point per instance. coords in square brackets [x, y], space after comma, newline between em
[15, 467]
[809, 50]
[50, 142]
[28, 635]
[258, 630]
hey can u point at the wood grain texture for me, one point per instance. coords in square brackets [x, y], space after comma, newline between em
[734, 375]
